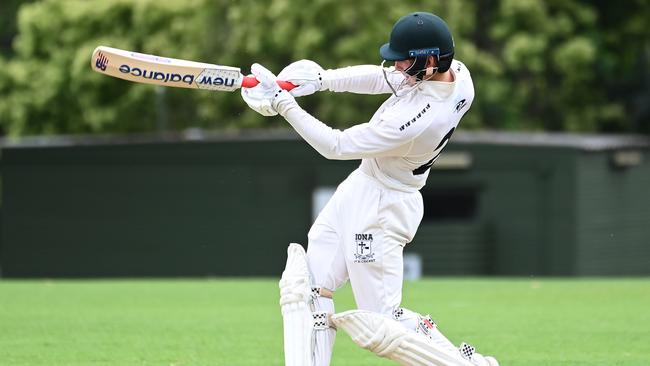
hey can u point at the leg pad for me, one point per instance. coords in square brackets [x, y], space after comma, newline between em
[385, 337]
[295, 297]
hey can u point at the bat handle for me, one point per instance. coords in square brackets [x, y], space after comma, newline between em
[250, 81]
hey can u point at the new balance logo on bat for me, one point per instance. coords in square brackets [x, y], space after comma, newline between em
[157, 75]
[174, 77]
[207, 80]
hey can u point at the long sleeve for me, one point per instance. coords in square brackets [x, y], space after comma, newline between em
[384, 138]
[361, 79]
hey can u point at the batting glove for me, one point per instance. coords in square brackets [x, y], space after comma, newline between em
[265, 96]
[307, 74]
[260, 97]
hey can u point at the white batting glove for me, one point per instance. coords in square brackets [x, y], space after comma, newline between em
[266, 96]
[307, 74]
[260, 98]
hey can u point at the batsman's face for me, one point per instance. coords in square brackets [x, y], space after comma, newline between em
[402, 65]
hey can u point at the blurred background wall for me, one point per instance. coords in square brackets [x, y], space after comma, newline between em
[201, 205]
[102, 177]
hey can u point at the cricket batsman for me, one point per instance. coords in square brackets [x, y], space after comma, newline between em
[361, 233]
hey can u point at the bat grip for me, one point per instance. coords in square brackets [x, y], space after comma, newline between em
[251, 81]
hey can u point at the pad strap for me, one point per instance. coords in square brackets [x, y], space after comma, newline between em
[322, 320]
[388, 338]
[466, 351]
[321, 292]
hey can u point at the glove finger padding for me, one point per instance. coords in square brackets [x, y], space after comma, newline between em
[303, 70]
[303, 90]
[264, 76]
[260, 97]
[306, 74]
[258, 101]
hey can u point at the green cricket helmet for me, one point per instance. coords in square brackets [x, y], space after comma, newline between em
[419, 35]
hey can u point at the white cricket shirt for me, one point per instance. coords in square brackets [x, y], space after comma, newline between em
[406, 134]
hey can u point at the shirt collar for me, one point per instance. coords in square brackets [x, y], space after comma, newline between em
[440, 90]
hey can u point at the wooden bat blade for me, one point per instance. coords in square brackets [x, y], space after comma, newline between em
[151, 69]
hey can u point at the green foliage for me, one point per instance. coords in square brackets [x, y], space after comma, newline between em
[537, 65]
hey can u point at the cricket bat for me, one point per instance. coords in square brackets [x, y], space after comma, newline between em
[151, 69]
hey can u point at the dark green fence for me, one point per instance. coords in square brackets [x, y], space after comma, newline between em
[157, 209]
[229, 205]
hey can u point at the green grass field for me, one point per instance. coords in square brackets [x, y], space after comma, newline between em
[231, 322]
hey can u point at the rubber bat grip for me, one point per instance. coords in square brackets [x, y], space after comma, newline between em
[250, 81]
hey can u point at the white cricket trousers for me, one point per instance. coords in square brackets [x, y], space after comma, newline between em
[360, 235]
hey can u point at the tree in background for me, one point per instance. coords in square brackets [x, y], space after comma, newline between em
[537, 65]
